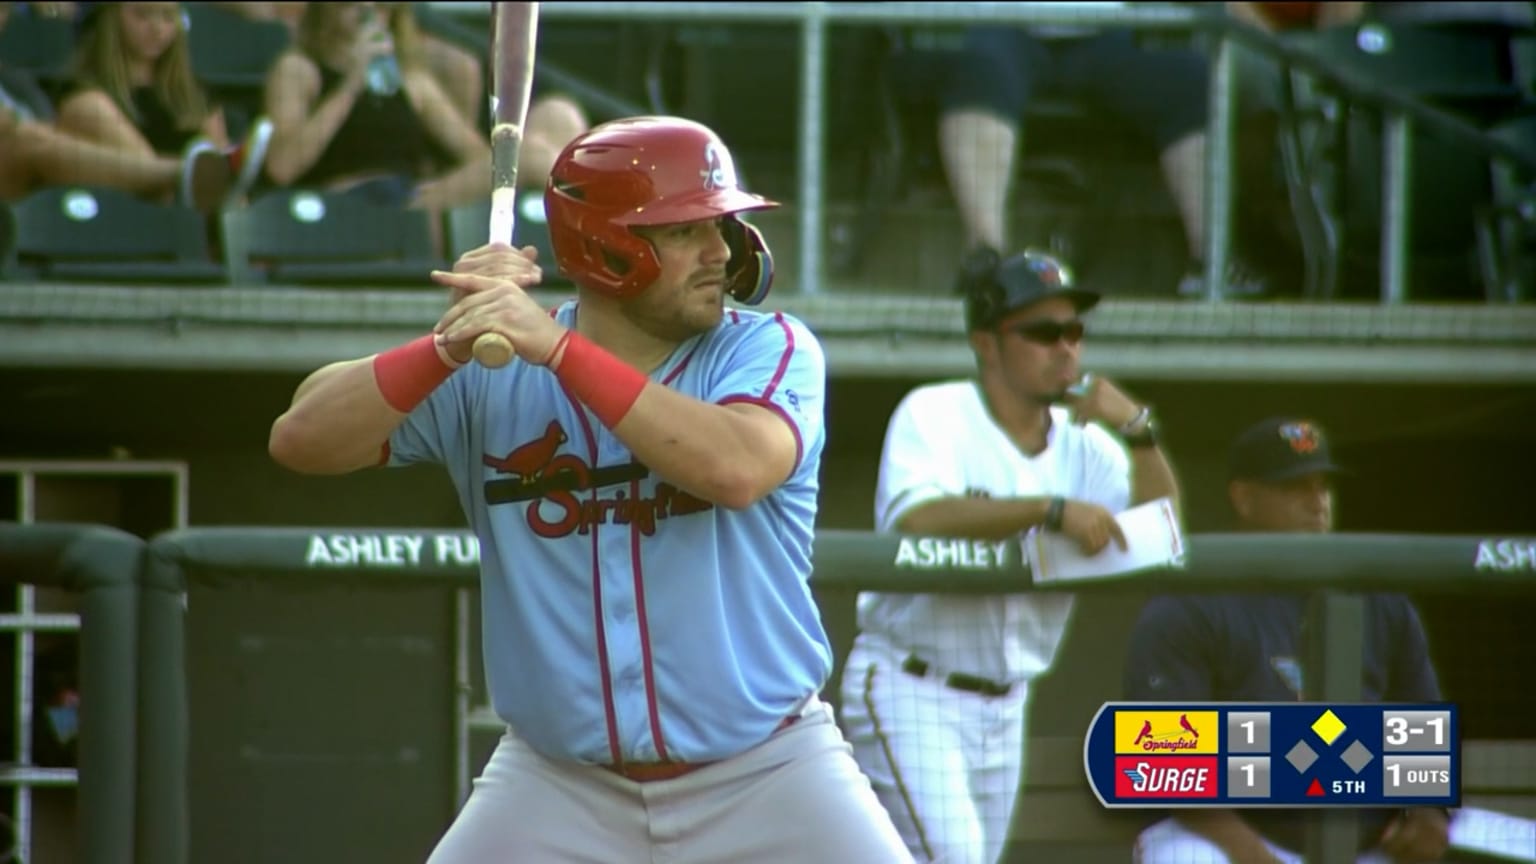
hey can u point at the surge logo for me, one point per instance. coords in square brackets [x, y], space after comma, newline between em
[1166, 732]
[1165, 776]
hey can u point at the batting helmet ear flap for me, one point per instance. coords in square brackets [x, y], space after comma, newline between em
[750, 273]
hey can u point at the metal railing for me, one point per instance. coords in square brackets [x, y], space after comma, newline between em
[1331, 567]
[100, 564]
[1401, 113]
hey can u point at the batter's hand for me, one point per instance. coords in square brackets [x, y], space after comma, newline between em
[1105, 403]
[1421, 834]
[488, 295]
[1091, 526]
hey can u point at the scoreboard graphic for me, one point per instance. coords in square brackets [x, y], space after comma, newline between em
[1285, 754]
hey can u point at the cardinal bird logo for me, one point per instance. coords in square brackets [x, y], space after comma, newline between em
[1188, 727]
[529, 460]
[1146, 730]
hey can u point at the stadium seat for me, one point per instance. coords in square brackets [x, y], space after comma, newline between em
[41, 46]
[303, 237]
[231, 56]
[99, 235]
[465, 228]
[1466, 71]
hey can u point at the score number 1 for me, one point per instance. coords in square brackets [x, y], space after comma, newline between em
[1398, 730]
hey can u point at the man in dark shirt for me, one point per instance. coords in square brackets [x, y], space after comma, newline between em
[1247, 647]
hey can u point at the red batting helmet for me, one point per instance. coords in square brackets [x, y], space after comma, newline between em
[648, 171]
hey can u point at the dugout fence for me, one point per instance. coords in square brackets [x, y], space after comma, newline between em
[386, 559]
[135, 725]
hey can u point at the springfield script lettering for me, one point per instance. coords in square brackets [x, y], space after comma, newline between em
[1505, 555]
[390, 550]
[926, 553]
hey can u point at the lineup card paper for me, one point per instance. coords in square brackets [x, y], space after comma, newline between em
[1285, 754]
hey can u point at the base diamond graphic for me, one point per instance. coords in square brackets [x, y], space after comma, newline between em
[1328, 727]
[1357, 756]
[1301, 757]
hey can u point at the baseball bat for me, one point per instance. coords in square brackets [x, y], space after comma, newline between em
[515, 30]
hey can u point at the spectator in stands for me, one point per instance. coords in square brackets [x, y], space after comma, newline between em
[1159, 92]
[34, 154]
[457, 58]
[399, 144]
[133, 90]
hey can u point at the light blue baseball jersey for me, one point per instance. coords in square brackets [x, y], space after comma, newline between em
[623, 618]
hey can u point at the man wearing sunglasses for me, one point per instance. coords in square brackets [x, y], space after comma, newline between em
[935, 690]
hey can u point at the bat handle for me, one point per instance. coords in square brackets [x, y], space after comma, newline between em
[493, 350]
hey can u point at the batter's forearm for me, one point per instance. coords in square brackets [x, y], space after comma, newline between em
[720, 453]
[338, 422]
[975, 518]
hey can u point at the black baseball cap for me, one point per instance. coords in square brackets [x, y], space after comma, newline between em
[1280, 449]
[995, 287]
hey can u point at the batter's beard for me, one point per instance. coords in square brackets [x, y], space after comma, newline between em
[681, 325]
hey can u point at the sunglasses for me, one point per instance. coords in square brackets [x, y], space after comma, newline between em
[1050, 332]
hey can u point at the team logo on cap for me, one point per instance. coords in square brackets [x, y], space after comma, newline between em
[1049, 271]
[718, 172]
[1302, 437]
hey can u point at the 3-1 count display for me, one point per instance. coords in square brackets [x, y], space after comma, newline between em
[1141, 754]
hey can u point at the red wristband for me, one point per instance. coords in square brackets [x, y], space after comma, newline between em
[603, 382]
[408, 374]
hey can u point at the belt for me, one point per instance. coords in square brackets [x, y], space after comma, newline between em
[917, 666]
[647, 772]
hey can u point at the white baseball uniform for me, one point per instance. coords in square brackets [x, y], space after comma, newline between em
[936, 688]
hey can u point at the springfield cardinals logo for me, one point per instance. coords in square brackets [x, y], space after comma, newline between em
[1165, 732]
[718, 172]
[538, 472]
[1302, 437]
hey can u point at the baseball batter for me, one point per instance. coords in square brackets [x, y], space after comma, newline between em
[643, 481]
[1247, 648]
[935, 691]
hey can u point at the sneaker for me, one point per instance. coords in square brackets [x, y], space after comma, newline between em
[247, 159]
[206, 175]
[1241, 282]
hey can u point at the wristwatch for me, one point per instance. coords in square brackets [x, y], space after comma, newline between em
[1141, 431]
